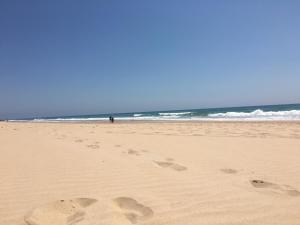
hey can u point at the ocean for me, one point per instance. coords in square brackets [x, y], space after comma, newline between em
[246, 113]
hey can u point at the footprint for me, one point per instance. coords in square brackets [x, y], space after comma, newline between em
[133, 210]
[229, 171]
[291, 191]
[93, 146]
[263, 184]
[61, 212]
[133, 152]
[171, 165]
[169, 159]
[285, 189]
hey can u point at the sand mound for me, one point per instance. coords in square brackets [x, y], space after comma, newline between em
[62, 212]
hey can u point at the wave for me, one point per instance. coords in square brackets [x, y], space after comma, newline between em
[174, 113]
[259, 114]
[69, 119]
[256, 115]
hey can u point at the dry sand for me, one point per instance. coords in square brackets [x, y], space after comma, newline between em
[150, 173]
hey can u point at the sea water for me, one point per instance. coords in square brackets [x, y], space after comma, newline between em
[246, 113]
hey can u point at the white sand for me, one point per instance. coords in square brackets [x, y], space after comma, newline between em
[150, 173]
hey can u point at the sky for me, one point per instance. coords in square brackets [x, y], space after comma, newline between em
[89, 57]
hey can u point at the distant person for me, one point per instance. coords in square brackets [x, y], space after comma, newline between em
[111, 119]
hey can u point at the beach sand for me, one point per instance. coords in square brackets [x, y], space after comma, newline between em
[150, 173]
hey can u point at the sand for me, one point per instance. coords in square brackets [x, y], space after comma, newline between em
[150, 173]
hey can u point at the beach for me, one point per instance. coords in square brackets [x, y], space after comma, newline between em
[151, 173]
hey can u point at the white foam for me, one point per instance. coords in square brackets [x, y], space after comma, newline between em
[174, 113]
[137, 115]
[70, 119]
[259, 115]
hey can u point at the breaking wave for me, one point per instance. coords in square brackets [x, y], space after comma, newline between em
[69, 119]
[259, 115]
[174, 113]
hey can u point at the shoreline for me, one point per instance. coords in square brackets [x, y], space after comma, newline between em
[157, 121]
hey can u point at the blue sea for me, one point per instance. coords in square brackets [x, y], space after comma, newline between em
[247, 113]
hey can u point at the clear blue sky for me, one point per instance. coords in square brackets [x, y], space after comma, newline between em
[86, 57]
